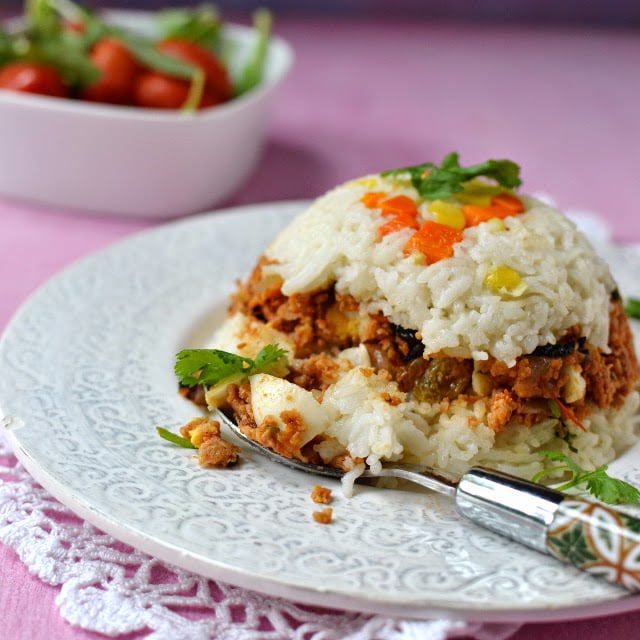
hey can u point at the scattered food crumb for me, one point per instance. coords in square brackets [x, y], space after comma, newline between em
[324, 516]
[321, 495]
[213, 449]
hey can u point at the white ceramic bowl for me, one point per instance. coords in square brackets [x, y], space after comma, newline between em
[136, 162]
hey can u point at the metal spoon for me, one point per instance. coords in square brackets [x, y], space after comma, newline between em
[537, 516]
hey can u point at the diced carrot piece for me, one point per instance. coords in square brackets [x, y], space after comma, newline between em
[399, 205]
[475, 214]
[508, 201]
[397, 223]
[434, 240]
[372, 198]
[502, 206]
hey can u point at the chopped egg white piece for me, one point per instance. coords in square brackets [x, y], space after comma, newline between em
[270, 396]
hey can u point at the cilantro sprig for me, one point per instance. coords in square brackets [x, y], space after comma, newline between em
[632, 308]
[439, 182]
[213, 367]
[599, 483]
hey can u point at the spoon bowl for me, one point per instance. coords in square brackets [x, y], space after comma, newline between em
[439, 481]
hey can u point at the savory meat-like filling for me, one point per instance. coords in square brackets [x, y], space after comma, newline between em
[572, 373]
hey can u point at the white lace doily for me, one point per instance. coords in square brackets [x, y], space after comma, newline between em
[113, 589]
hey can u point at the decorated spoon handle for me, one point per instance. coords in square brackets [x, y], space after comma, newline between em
[590, 536]
[597, 539]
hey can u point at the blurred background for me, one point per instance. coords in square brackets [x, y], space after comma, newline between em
[608, 13]
[377, 84]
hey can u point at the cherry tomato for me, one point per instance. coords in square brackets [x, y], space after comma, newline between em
[217, 78]
[119, 70]
[159, 91]
[32, 77]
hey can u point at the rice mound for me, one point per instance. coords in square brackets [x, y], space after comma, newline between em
[362, 413]
[448, 301]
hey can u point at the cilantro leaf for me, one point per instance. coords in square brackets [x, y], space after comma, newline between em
[439, 182]
[175, 439]
[632, 308]
[611, 490]
[271, 358]
[209, 366]
[599, 483]
[416, 173]
[212, 367]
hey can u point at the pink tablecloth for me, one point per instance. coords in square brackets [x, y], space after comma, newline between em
[366, 96]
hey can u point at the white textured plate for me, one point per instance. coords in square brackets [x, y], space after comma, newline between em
[87, 375]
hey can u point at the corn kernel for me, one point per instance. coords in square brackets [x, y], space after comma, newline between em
[367, 183]
[196, 437]
[478, 193]
[496, 224]
[507, 280]
[447, 213]
[343, 324]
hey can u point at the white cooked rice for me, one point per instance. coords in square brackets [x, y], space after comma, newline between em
[335, 239]
[458, 437]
